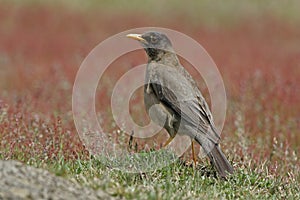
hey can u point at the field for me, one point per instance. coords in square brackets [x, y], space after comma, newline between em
[255, 46]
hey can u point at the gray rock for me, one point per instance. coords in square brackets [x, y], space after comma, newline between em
[19, 181]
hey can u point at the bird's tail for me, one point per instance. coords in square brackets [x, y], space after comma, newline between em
[220, 162]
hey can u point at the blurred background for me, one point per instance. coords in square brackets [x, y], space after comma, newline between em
[255, 44]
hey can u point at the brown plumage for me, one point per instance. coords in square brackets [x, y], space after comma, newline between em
[173, 100]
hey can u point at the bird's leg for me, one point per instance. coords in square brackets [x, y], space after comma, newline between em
[168, 141]
[193, 152]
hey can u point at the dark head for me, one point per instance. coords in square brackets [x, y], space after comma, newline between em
[155, 44]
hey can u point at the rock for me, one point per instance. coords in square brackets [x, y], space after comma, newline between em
[19, 181]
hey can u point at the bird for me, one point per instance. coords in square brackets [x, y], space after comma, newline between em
[174, 102]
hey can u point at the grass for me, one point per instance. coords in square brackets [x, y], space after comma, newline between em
[38, 65]
[275, 176]
[179, 181]
[209, 12]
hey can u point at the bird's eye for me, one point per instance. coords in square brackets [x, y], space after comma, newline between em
[153, 39]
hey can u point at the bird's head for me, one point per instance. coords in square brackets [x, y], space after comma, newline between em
[155, 44]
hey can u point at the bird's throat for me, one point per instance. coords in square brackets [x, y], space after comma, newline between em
[162, 57]
[154, 54]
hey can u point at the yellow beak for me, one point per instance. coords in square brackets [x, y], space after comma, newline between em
[137, 37]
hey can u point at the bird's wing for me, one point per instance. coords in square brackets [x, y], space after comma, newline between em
[205, 109]
[176, 93]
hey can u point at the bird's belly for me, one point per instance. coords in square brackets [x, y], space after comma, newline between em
[154, 109]
[161, 115]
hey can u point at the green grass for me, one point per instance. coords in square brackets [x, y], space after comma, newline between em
[251, 180]
[178, 181]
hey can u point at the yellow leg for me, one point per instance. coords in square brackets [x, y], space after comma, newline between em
[193, 152]
[168, 141]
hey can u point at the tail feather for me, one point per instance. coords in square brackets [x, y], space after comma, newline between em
[220, 162]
